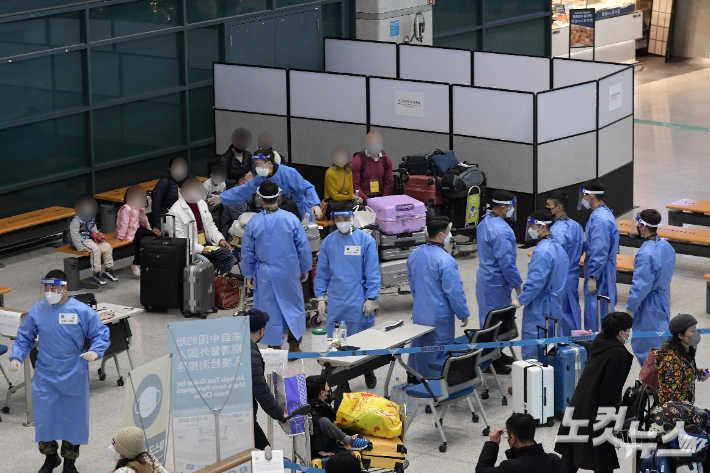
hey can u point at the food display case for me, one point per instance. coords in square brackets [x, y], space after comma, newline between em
[617, 26]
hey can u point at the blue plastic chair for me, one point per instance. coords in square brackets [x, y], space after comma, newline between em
[458, 380]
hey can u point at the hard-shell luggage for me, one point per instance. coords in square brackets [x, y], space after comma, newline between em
[198, 285]
[396, 253]
[401, 240]
[393, 273]
[460, 178]
[534, 390]
[398, 214]
[385, 453]
[313, 233]
[442, 161]
[163, 260]
[417, 164]
[424, 189]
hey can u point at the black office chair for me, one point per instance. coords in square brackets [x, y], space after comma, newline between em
[508, 329]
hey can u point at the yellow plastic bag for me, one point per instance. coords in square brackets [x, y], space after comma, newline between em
[369, 414]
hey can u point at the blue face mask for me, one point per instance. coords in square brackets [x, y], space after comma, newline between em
[447, 239]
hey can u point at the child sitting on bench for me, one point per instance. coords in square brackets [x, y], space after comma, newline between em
[327, 439]
[85, 236]
[132, 222]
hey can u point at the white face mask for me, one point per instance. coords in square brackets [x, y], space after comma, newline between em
[262, 171]
[52, 297]
[534, 234]
[510, 213]
[586, 204]
[115, 456]
[447, 239]
[344, 227]
[628, 335]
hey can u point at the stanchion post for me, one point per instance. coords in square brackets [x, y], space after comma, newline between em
[216, 413]
[28, 392]
[269, 420]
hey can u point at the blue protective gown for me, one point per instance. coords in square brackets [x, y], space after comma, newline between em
[497, 274]
[570, 235]
[650, 294]
[600, 247]
[289, 181]
[60, 388]
[438, 295]
[547, 277]
[275, 251]
[348, 279]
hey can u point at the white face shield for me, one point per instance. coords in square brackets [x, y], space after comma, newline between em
[532, 230]
[635, 233]
[261, 165]
[343, 220]
[276, 196]
[53, 290]
[585, 197]
[511, 206]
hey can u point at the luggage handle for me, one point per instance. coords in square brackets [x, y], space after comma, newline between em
[403, 207]
[190, 252]
[599, 310]
[163, 219]
[544, 329]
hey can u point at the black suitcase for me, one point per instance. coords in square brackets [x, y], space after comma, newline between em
[163, 260]
[418, 164]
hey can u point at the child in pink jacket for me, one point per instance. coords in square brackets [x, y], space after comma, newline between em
[132, 222]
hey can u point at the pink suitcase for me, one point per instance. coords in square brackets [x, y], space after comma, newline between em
[398, 214]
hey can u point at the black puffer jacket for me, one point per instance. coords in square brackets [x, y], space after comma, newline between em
[231, 163]
[164, 196]
[531, 459]
[260, 389]
[319, 441]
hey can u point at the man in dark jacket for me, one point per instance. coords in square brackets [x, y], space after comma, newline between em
[259, 388]
[236, 155]
[166, 193]
[524, 455]
[600, 385]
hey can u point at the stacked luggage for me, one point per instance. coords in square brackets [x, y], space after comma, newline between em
[402, 228]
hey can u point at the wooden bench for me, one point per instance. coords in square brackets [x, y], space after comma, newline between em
[33, 225]
[3, 291]
[624, 268]
[690, 211]
[117, 195]
[687, 241]
[707, 293]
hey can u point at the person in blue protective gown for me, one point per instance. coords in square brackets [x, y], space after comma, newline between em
[545, 283]
[289, 181]
[601, 246]
[60, 388]
[497, 274]
[349, 272]
[650, 295]
[570, 235]
[438, 294]
[277, 256]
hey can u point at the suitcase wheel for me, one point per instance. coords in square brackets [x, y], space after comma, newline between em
[214, 310]
[204, 316]
[550, 421]
[120, 381]
[486, 431]
[6, 409]
[315, 320]
[102, 375]
[485, 395]
[504, 401]
[442, 447]
[474, 417]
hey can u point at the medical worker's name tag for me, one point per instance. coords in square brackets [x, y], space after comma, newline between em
[68, 319]
[352, 250]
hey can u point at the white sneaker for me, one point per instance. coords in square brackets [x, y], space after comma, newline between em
[136, 270]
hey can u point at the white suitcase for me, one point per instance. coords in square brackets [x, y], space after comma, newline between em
[534, 390]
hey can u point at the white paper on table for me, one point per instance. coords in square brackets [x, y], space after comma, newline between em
[274, 360]
[259, 463]
[9, 322]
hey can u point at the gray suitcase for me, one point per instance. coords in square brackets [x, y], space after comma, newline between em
[396, 253]
[403, 239]
[198, 287]
[393, 273]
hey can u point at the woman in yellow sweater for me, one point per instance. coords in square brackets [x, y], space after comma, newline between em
[339, 177]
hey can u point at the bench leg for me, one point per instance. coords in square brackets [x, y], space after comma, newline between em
[2, 300]
[707, 298]
[71, 269]
[674, 218]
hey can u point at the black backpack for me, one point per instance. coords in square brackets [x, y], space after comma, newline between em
[639, 400]
[460, 178]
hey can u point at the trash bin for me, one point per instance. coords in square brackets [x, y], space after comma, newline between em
[108, 218]
[71, 269]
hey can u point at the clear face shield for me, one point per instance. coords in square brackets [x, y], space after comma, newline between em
[260, 165]
[511, 208]
[267, 197]
[343, 220]
[534, 227]
[585, 197]
[635, 233]
[52, 290]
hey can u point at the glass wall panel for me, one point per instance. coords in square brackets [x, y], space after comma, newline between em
[502, 10]
[332, 20]
[528, 37]
[205, 10]
[451, 14]
[204, 47]
[136, 128]
[200, 156]
[43, 149]
[125, 19]
[136, 67]
[129, 174]
[201, 113]
[62, 193]
[40, 34]
[42, 85]
[470, 41]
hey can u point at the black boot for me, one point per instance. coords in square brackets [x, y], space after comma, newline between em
[370, 380]
[506, 359]
[50, 463]
[69, 466]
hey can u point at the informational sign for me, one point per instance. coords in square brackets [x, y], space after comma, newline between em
[615, 97]
[260, 464]
[147, 404]
[274, 360]
[394, 28]
[211, 375]
[472, 207]
[581, 28]
[612, 12]
[409, 104]
[10, 321]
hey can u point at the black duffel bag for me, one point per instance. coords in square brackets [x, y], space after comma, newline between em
[460, 178]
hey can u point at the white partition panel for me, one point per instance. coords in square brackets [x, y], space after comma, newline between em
[250, 89]
[452, 66]
[566, 112]
[324, 96]
[507, 71]
[496, 114]
[570, 72]
[411, 105]
[616, 97]
[368, 58]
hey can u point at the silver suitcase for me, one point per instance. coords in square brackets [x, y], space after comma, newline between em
[198, 286]
[393, 273]
[313, 233]
[396, 253]
[402, 240]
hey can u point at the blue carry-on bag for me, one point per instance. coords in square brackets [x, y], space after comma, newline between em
[442, 161]
[568, 361]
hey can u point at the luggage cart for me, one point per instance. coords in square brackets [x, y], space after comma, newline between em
[301, 442]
